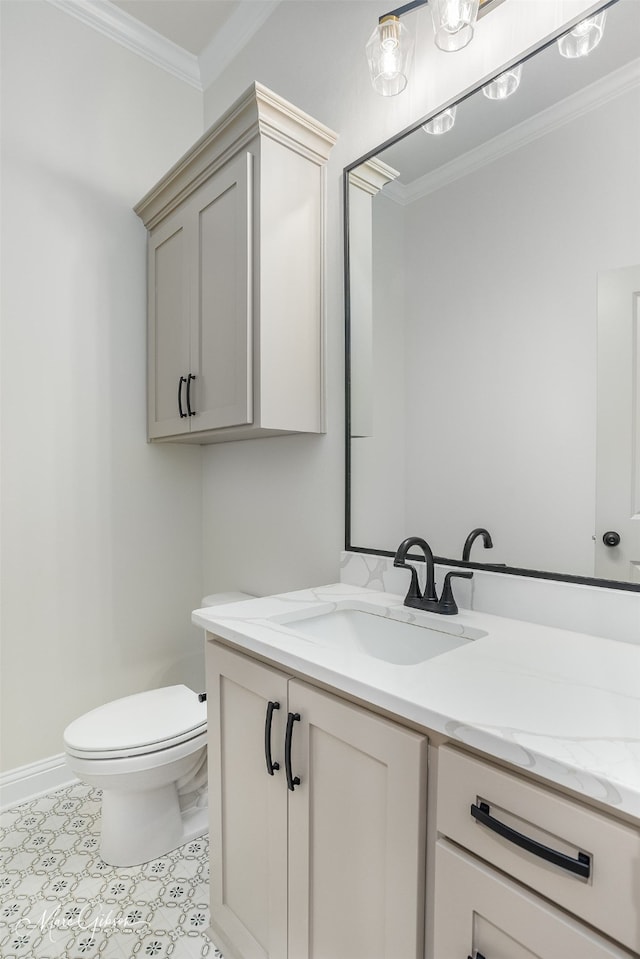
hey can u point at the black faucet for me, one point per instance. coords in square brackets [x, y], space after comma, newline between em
[473, 535]
[429, 599]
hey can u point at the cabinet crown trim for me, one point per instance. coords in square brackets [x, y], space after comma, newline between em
[259, 111]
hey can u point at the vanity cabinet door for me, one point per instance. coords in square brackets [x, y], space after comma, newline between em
[480, 913]
[356, 832]
[248, 807]
[333, 868]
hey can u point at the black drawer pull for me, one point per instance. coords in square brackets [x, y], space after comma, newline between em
[292, 781]
[190, 377]
[267, 737]
[182, 380]
[579, 867]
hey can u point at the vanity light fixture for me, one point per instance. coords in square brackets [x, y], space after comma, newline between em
[441, 123]
[584, 37]
[389, 53]
[504, 85]
[390, 46]
[453, 23]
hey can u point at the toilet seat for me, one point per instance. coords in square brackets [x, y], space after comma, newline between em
[136, 725]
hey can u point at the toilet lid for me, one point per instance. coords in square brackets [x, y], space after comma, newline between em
[138, 723]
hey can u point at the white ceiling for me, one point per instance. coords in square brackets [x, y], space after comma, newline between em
[190, 23]
[195, 40]
[194, 24]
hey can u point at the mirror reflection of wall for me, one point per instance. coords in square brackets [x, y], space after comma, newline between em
[486, 252]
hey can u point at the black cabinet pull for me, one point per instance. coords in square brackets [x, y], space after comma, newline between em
[292, 781]
[267, 737]
[190, 377]
[579, 867]
[182, 380]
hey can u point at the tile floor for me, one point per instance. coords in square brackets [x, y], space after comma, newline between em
[59, 900]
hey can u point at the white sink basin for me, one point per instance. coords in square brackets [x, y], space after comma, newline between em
[379, 636]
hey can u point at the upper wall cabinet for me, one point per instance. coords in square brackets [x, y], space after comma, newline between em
[235, 278]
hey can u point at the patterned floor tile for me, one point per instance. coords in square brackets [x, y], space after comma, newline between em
[59, 900]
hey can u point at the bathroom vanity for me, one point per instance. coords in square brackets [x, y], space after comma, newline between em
[330, 839]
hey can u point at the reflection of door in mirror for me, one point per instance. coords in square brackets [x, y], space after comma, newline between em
[618, 469]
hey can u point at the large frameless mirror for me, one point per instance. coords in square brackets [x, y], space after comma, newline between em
[493, 290]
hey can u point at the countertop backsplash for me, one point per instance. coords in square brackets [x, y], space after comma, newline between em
[598, 611]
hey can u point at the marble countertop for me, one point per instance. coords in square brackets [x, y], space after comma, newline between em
[562, 705]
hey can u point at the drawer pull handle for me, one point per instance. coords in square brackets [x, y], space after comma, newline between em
[579, 867]
[292, 781]
[267, 737]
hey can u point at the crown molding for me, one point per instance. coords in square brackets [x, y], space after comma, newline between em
[258, 112]
[234, 34]
[199, 72]
[372, 175]
[613, 85]
[114, 23]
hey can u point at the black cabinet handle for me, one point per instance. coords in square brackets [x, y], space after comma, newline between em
[182, 380]
[190, 412]
[292, 781]
[267, 737]
[579, 867]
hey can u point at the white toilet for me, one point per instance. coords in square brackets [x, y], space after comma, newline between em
[148, 755]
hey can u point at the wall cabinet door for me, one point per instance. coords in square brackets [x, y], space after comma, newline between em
[200, 308]
[481, 913]
[169, 296]
[221, 361]
[333, 868]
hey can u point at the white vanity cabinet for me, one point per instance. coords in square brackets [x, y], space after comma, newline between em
[235, 278]
[333, 868]
[565, 854]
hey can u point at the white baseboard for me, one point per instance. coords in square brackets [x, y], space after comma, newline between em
[28, 782]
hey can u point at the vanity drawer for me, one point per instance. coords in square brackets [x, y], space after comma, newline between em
[608, 897]
[479, 912]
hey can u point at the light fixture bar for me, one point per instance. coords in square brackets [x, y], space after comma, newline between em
[414, 4]
[400, 11]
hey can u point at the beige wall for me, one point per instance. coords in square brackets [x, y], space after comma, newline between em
[100, 532]
[273, 510]
[107, 542]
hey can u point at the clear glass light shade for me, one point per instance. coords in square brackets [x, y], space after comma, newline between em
[584, 38]
[504, 85]
[453, 22]
[389, 53]
[442, 123]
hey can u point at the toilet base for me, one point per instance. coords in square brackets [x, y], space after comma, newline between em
[138, 826]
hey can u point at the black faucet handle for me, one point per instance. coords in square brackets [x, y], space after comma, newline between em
[447, 604]
[413, 593]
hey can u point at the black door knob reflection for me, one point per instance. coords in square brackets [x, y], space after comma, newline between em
[611, 538]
